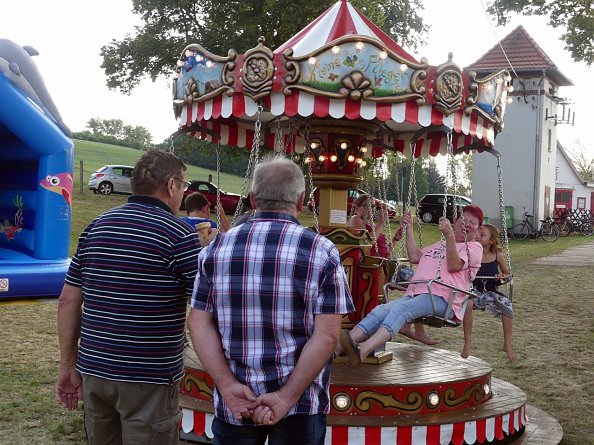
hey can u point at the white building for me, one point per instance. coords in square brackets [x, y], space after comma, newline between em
[528, 142]
[571, 192]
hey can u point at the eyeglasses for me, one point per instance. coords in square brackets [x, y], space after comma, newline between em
[186, 184]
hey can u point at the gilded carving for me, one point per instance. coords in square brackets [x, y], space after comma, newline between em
[201, 385]
[258, 71]
[448, 87]
[450, 399]
[413, 402]
[356, 86]
[201, 75]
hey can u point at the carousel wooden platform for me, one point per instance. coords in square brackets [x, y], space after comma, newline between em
[421, 396]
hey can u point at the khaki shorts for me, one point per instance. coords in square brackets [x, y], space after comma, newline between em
[130, 413]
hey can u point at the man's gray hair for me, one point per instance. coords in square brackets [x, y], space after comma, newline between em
[278, 184]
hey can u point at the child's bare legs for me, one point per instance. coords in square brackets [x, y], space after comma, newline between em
[378, 338]
[467, 327]
[507, 338]
[358, 335]
[418, 333]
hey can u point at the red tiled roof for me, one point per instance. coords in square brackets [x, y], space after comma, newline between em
[523, 53]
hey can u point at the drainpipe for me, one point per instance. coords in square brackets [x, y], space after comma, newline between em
[538, 148]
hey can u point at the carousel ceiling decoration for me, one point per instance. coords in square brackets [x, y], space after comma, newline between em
[344, 68]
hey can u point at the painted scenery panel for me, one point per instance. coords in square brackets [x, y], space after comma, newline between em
[205, 73]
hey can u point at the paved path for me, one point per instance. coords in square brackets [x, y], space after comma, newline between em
[574, 256]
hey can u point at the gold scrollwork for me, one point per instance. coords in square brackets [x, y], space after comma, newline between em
[448, 87]
[258, 71]
[201, 385]
[191, 91]
[417, 83]
[356, 86]
[450, 399]
[413, 402]
[500, 77]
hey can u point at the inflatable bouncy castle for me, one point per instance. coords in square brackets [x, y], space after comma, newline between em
[36, 156]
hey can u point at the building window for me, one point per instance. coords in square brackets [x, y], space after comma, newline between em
[549, 140]
[581, 203]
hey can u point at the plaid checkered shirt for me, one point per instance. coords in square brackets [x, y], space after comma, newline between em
[264, 281]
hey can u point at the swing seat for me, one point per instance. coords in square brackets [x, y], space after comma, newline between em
[435, 320]
[509, 281]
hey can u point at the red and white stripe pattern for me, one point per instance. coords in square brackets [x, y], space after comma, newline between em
[217, 115]
[471, 432]
[339, 20]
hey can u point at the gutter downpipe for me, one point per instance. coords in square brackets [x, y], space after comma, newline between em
[537, 152]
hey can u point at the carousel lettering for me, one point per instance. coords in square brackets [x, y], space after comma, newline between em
[375, 64]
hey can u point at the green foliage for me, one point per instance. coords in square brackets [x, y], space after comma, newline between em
[577, 16]
[113, 131]
[170, 25]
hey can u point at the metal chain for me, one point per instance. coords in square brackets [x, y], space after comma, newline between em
[406, 208]
[309, 155]
[413, 193]
[219, 208]
[442, 242]
[502, 216]
[252, 161]
[384, 198]
[171, 146]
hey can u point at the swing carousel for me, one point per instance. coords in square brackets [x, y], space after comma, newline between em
[336, 97]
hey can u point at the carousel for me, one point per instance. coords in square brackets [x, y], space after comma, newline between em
[336, 97]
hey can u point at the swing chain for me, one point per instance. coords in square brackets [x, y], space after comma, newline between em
[252, 161]
[171, 146]
[309, 156]
[502, 217]
[219, 208]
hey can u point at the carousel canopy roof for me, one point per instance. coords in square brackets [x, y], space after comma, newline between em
[339, 69]
[342, 19]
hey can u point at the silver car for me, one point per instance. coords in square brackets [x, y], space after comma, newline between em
[111, 179]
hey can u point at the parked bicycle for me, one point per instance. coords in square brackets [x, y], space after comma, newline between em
[549, 231]
[567, 226]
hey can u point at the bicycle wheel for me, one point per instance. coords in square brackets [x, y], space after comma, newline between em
[549, 232]
[586, 229]
[564, 228]
[520, 231]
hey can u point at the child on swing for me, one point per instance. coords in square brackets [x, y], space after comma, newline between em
[488, 297]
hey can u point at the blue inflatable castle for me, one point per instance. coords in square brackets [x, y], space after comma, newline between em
[36, 156]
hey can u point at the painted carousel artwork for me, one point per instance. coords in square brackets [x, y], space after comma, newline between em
[339, 93]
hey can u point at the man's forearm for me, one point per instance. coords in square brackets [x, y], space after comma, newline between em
[69, 319]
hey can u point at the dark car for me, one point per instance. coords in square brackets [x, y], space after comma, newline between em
[430, 207]
[209, 190]
[351, 196]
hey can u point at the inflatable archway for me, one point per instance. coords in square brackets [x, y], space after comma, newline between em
[36, 157]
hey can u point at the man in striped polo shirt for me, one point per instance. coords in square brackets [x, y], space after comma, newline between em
[132, 275]
[266, 313]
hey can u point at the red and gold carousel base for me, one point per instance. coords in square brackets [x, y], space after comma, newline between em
[422, 396]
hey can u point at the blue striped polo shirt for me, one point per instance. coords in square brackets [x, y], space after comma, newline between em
[136, 266]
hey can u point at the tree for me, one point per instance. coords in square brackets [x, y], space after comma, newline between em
[583, 160]
[114, 131]
[576, 16]
[435, 180]
[170, 25]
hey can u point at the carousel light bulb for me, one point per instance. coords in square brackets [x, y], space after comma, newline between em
[359, 45]
[333, 158]
[209, 64]
[358, 161]
[307, 160]
[510, 89]
[321, 158]
[433, 399]
[403, 67]
[180, 63]
[335, 49]
[486, 389]
[351, 158]
[363, 149]
[199, 58]
[342, 401]
[509, 100]
[313, 145]
[383, 54]
[311, 60]
[189, 53]
[363, 163]
[343, 145]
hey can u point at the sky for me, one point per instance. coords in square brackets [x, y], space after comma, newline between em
[68, 34]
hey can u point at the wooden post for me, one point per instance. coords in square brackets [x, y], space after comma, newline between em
[209, 178]
[81, 176]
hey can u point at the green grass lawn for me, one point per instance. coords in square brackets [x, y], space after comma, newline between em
[553, 332]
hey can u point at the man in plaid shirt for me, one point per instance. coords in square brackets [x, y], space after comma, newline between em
[266, 312]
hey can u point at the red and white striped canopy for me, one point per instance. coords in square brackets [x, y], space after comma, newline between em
[229, 117]
[342, 19]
